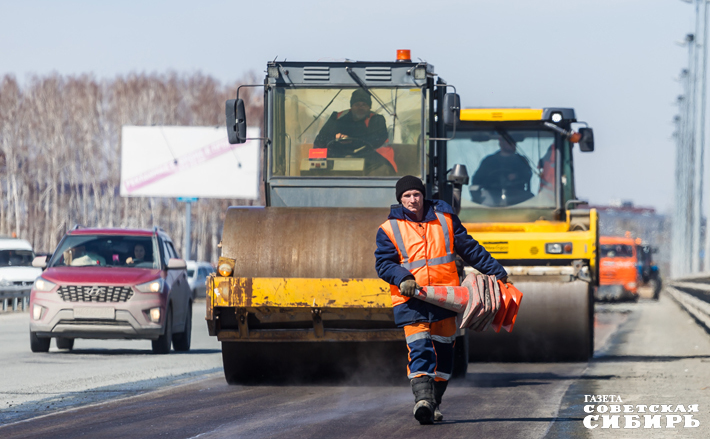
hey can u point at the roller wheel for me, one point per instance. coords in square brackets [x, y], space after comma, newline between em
[655, 287]
[65, 343]
[162, 344]
[555, 323]
[181, 341]
[250, 362]
[243, 362]
[39, 344]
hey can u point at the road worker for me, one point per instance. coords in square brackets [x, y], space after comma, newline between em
[416, 247]
[503, 178]
[357, 132]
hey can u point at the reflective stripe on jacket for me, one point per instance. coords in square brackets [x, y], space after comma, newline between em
[426, 249]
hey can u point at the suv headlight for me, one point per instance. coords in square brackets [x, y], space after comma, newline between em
[154, 286]
[5, 283]
[43, 285]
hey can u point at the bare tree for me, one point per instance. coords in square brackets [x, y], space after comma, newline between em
[60, 142]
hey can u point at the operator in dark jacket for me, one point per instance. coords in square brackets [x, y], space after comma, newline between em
[416, 247]
[356, 132]
[505, 174]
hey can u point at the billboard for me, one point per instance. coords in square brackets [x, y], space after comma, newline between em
[178, 161]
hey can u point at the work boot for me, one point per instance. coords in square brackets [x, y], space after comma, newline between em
[423, 389]
[439, 389]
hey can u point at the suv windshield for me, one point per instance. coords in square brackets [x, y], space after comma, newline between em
[106, 250]
[16, 258]
[616, 251]
[508, 167]
[327, 132]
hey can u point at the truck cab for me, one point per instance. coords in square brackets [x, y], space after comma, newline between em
[618, 271]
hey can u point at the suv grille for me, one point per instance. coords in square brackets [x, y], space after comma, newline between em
[88, 293]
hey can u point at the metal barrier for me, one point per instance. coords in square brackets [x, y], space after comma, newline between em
[14, 297]
[693, 294]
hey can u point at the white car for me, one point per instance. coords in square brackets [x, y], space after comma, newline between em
[16, 271]
[197, 273]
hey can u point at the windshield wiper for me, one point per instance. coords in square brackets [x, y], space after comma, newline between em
[508, 138]
[320, 114]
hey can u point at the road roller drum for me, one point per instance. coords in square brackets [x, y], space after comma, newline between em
[555, 324]
[310, 242]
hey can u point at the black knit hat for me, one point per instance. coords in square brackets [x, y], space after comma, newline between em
[407, 183]
[361, 95]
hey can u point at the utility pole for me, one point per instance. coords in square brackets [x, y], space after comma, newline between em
[689, 248]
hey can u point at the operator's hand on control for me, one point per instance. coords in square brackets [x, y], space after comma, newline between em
[340, 136]
[409, 287]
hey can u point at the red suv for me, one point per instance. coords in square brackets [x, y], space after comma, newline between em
[112, 284]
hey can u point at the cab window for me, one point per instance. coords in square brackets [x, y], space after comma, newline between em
[616, 251]
[507, 167]
[326, 132]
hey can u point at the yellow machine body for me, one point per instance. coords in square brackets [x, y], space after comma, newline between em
[550, 255]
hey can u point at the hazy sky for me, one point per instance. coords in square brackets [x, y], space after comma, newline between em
[615, 61]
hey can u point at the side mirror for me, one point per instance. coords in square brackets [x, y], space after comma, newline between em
[236, 121]
[176, 264]
[457, 176]
[586, 143]
[40, 262]
[452, 108]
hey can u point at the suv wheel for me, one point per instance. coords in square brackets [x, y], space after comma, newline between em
[162, 344]
[65, 343]
[181, 341]
[39, 344]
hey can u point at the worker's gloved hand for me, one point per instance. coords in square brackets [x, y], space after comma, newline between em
[409, 287]
[505, 280]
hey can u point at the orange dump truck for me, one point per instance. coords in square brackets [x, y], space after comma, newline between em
[618, 270]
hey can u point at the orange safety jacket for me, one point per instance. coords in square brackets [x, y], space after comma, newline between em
[547, 179]
[426, 249]
[385, 151]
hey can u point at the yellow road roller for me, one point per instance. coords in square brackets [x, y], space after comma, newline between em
[520, 203]
[296, 290]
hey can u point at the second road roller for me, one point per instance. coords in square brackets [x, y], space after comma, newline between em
[520, 203]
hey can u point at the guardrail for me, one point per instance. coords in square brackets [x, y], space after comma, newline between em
[693, 294]
[15, 297]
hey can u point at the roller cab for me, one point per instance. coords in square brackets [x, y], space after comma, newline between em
[518, 200]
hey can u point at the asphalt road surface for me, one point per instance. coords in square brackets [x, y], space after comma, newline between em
[646, 353]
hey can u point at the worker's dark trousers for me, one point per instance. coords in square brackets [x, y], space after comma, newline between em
[431, 349]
